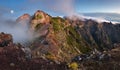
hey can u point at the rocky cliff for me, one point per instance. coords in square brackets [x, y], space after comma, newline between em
[56, 40]
[61, 39]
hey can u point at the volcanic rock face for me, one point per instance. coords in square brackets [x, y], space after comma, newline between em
[13, 57]
[24, 20]
[5, 39]
[40, 17]
[24, 17]
[57, 40]
[53, 36]
[101, 35]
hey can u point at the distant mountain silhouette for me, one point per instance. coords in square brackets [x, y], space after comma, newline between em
[115, 17]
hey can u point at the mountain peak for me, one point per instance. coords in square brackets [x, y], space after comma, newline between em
[40, 17]
[39, 11]
[24, 17]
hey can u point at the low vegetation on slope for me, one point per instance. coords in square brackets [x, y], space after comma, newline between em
[61, 43]
[65, 38]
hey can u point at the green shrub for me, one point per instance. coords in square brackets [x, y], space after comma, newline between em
[39, 16]
[57, 26]
[74, 40]
[38, 26]
[73, 66]
[50, 56]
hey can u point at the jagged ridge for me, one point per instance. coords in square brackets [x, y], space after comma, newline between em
[56, 40]
[61, 39]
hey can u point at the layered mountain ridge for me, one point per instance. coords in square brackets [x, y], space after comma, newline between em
[63, 38]
[57, 40]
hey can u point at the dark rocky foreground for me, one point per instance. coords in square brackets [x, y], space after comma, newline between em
[13, 57]
[109, 60]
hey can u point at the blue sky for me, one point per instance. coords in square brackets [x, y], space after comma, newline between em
[50, 6]
[98, 6]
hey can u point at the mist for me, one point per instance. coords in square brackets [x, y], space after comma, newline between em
[97, 19]
[20, 32]
[17, 30]
[66, 7]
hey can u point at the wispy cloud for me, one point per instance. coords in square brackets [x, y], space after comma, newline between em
[9, 25]
[59, 6]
